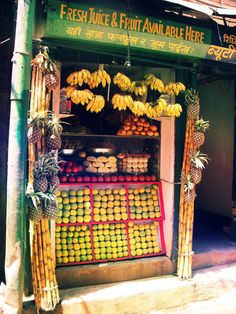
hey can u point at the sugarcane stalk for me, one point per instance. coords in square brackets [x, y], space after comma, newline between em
[32, 95]
[40, 79]
[36, 90]
[44, 93]
[48, 297]
[48, 98]
[36, 260]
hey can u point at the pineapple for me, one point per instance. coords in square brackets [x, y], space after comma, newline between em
[54, 183]
[36, 122]
[50, 209]
[197, 163]
[192, 103]
[45, 168]
[54, 130]
[189, 190]
[40, 182]
[34, 207]
[200, 127]
[52, 80]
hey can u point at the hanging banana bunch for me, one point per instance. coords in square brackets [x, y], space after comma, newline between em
[138, 108]
[99, 77]
[156, 110]
[155, 83]
[139, 88]
[79, 77]
[122, 102]
[174, 88]
[81, 96]
[152, 110]
[122, 81]
[96, 104]
[174, 110]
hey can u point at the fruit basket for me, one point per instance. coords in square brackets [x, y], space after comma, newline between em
[109, 221]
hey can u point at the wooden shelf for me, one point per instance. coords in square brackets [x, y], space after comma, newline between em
[71, 134]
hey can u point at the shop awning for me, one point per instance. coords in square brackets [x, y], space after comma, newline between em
[221, 14]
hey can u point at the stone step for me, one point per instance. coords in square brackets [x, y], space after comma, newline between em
[220, 305]
[147, 295]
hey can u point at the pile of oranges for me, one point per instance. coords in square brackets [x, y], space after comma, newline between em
[137, 126]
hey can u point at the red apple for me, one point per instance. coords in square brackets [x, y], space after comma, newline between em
[141, 178]
[79, 179]
[135, 178]
[128, 178]
[153, 178]
[121, 178]
[63, 178]
[80, 168]
[72, 179]
[68, 170]
[107, 178]
[100, 179]
[94, 179]
[114, 178]
[87, 179]
[147, 178]
[75, 169]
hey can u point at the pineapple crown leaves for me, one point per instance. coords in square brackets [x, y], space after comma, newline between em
[50, 199]
[201, 125]
[198, 160]
[188, 184]
[34, 199]
[46, 165]
[191, 96]
[54, 125]
[36, 119]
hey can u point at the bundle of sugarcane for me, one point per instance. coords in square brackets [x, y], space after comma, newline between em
[42, 167]
[193, 163]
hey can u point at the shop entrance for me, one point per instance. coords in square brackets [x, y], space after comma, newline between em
[211, 242]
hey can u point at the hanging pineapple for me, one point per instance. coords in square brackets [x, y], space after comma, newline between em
[36, 122]
[189, 190]
[54, 130]
[192, 103]
[45, 173]
[200, 127]
[50, 208]
[197, 164]
[50, 67]
[40, 183]
[34, 207]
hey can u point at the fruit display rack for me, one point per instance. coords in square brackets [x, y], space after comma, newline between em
[108, 222]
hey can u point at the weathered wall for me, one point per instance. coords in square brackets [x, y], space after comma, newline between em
[214, 194]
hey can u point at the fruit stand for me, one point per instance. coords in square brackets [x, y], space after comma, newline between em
[110, 198]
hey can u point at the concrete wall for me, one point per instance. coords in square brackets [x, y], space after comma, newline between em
[214, 194]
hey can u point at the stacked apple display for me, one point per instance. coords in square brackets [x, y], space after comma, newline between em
[109, 221]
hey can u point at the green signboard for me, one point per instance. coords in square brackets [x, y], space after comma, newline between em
[71, 21]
